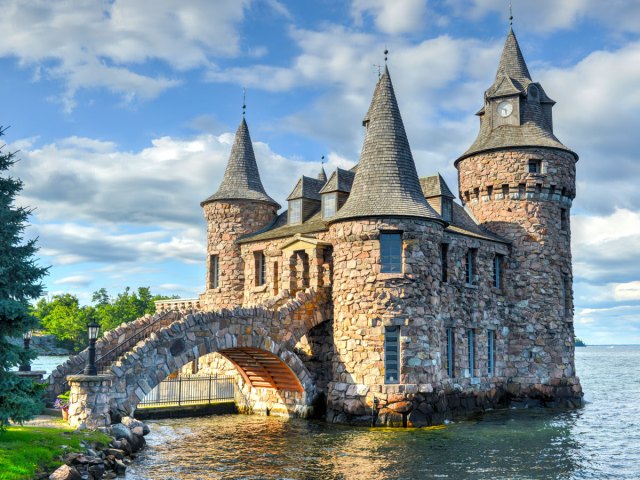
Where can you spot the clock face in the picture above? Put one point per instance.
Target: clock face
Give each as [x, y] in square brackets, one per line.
[505, 108]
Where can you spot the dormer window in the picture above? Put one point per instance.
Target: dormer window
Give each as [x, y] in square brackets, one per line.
[295, 211]
[329, 205]
[447, 209]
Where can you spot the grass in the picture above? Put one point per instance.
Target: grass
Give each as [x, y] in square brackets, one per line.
[25, 451]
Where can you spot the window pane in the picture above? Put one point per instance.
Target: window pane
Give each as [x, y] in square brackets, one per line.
[295, 211]
[391, 354]
[328, 205]
[391, 252]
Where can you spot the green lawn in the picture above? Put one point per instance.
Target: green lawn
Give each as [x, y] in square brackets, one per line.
[24, 451]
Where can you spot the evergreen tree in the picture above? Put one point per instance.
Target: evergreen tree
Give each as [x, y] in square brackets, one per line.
[20, 282]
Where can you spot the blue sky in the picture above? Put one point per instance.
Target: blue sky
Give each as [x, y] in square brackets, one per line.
[124, 116]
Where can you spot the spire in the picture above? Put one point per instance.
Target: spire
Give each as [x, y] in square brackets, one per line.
[322, 175]
[386, 182]
[241, 178]
[512, 64]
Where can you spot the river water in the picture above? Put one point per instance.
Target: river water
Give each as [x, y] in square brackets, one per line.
[600, 441]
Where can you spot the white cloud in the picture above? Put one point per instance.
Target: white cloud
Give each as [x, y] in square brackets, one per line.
[627, 291]
[101, 44]
[396, 17]
[550, 15]
[74, 280]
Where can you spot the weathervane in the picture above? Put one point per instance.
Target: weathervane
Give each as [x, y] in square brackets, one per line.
[379, 67]
[244, 101]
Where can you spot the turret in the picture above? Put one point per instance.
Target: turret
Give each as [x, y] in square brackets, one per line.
[386, 261]
[239, 207]
[518, 179]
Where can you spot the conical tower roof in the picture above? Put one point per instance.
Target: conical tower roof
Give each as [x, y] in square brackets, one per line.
[322, 175]
[241, 178]
[512, 64]
[513, 80]
[386, 182]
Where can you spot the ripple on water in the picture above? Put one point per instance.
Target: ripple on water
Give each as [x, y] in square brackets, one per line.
[600, 441]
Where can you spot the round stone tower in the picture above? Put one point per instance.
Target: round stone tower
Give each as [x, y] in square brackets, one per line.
[386, 241]
[518, 179]
[239, 207]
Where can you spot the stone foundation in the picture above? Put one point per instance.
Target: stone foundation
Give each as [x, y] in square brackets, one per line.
[89, 401]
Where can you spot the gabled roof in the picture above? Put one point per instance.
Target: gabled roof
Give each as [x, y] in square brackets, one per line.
[386, 182]
[307, 187]
[435, 186]
[241, 179]
[280, 228]
[339, 181]
[463, 223]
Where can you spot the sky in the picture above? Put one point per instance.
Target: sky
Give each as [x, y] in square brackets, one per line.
[124, 114]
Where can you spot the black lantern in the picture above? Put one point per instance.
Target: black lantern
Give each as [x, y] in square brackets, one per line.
[26, 338]
[93, 330]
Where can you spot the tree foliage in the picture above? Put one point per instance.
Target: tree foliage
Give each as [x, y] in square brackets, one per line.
[20, 282]
[64, 317]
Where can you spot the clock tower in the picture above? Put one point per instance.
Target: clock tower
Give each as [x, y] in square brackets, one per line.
[518, 179]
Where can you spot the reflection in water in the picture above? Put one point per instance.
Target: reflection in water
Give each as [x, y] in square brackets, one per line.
[598, 442]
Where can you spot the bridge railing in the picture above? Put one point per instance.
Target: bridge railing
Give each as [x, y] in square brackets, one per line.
[103, 363]
[190, 390]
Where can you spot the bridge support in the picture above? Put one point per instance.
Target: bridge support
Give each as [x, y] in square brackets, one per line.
[89, 400]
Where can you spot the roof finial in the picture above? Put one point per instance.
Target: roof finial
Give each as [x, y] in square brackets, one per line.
[244, 101]
[322, 160]
[510, 14]
[386, 52]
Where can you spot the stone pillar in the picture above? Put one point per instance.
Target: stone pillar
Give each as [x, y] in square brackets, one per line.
[89, 401]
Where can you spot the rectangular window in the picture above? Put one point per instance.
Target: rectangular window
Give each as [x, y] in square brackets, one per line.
[391, 252]
[447, 209]
[469, 267]
[450, 354]
[444, 253]
[214, 271]
[392, 355]
[564, 219]
[490, 191]
[295, 211]
[328, 205]
[491, 351]
[261, 268]
[497, 271]
[471, 350]
[534, 166]
[505, 191]
[276, 279]
[566, 299]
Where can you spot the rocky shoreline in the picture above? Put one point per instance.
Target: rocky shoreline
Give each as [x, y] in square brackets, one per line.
[106, 463]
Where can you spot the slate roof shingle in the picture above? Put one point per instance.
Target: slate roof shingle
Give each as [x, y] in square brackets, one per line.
[435, 186]
[340, 181]
[307, 187]
[241, 179]
[513, 78]
[386, 182]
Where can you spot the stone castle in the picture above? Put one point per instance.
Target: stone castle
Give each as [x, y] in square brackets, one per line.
[424, 308]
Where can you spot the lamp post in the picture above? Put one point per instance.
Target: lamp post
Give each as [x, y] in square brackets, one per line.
[93, 330]
[26, 338]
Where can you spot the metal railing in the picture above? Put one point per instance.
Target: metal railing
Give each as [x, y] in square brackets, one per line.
[103, 364]
[190, 390]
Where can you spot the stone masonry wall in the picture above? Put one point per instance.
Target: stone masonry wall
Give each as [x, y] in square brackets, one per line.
[366, 301]
[527, 209]
[226, 222]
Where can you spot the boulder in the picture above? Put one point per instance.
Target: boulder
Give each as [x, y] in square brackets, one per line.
[96, 472]
[65, 472]
[401, 407]
[133, 423]
[120, 468]
[120, 430]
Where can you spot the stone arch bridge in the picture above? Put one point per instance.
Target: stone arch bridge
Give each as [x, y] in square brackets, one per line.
[259, 341]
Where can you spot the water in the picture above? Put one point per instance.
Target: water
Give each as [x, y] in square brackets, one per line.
[600, 441]
[48, 363]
